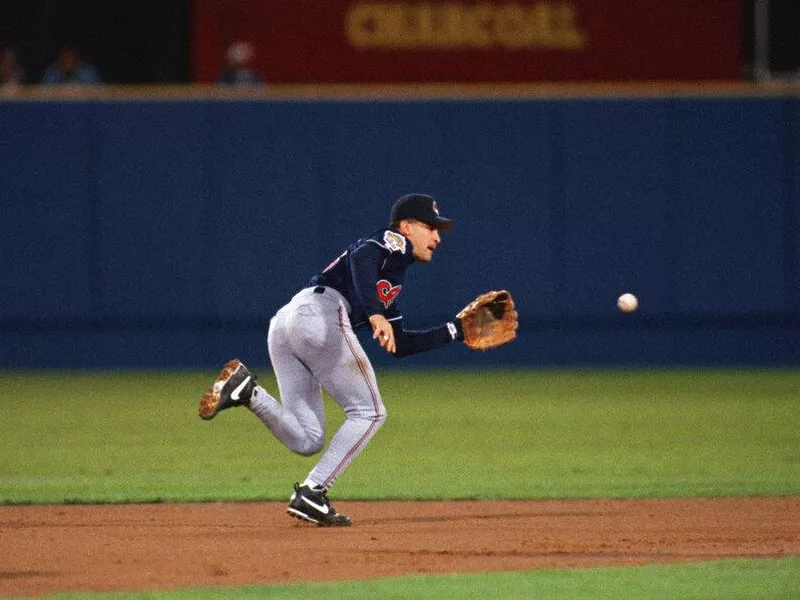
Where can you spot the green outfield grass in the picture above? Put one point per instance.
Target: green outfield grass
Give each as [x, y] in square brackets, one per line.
[135, 436]
[726, 580]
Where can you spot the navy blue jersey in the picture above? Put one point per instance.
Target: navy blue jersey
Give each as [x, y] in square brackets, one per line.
[370, 274]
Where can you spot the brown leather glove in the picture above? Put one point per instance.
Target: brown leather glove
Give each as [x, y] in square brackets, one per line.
[489, 321]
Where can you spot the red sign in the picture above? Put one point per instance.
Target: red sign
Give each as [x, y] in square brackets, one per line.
[457, 41]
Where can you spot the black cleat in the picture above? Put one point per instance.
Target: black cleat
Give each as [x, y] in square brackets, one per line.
[313, 505]
[233, 387]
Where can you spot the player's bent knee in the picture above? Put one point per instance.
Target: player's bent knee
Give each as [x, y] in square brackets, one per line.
[309, 450]
[310, 446]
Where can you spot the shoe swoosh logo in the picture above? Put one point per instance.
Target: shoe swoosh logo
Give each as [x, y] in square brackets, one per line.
[239, 388]
[320, 507]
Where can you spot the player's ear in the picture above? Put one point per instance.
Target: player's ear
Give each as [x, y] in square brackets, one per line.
[404, 227]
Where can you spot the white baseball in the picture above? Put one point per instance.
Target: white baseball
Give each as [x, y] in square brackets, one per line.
[627, 303]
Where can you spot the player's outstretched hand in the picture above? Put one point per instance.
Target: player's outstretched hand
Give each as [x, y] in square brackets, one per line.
[383, 332]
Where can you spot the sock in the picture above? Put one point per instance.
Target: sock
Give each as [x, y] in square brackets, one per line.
[260, 402]
[310, 483]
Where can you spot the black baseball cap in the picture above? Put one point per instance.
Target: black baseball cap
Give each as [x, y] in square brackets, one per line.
[422, 208]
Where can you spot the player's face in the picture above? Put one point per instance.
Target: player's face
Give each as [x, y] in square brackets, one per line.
[424, 240]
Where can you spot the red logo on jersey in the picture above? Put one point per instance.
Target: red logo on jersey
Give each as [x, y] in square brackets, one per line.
[387, 293]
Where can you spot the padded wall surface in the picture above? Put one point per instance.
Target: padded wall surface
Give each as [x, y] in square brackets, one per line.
[165, 233]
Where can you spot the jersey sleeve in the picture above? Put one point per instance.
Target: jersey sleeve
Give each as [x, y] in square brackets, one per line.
[416, 341]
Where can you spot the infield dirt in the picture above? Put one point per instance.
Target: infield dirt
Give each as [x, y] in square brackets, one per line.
[49, 549]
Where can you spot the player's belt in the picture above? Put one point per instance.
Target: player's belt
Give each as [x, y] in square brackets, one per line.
[319, 290]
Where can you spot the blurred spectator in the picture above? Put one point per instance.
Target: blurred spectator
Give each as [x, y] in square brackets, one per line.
[11, 72]
[238, 69]
[69, 68]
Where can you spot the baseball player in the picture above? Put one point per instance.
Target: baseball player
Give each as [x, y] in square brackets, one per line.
[312, 345]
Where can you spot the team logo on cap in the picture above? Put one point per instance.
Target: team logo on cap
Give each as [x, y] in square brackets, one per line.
[435, 208]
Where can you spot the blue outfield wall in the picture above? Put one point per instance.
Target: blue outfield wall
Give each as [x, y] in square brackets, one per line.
[165, 233]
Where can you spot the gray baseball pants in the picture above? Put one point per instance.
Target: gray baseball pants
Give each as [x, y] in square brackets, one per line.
[312, 346]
